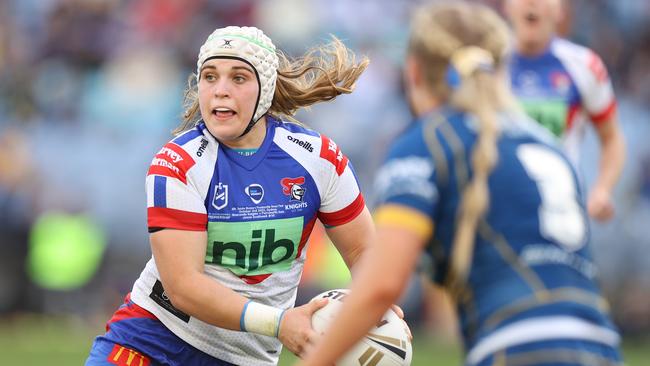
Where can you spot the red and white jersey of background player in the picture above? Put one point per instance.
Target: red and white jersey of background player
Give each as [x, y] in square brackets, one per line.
[258, 212]
[564, 88]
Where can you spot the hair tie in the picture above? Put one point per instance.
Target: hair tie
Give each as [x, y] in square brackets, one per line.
[465, 61]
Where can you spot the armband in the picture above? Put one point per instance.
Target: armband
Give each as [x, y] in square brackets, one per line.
[260, 319]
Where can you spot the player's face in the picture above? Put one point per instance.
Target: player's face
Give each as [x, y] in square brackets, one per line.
[534, 21]
[228, 91]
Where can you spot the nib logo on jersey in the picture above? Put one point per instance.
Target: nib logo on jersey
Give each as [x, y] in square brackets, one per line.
[254, 247]
[294, 188]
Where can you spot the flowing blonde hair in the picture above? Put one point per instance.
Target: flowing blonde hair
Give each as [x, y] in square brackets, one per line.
[321, 74]
[474, 40]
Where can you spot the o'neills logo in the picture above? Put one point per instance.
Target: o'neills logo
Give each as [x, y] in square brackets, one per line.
[304, 144]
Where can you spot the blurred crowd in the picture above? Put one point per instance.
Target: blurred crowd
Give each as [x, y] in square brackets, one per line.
[90, 90]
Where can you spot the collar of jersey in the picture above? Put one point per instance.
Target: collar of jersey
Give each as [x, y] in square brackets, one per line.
[543, 57]
[252, 161]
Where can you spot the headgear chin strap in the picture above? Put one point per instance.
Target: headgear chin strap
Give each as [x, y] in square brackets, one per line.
[252, 46]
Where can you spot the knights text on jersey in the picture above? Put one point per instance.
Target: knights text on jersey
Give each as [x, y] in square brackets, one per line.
[530, 258]
[258, 211]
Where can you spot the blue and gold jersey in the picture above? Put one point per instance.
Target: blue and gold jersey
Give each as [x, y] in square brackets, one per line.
[531, 267]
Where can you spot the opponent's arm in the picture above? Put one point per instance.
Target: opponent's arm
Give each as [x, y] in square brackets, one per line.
[382, 274]
[612, 158]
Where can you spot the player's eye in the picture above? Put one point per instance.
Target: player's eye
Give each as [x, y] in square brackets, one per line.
[208, 76]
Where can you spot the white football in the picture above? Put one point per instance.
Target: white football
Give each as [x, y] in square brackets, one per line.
[387, 344]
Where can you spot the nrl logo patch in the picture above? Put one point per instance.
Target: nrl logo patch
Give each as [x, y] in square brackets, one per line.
[220, 199]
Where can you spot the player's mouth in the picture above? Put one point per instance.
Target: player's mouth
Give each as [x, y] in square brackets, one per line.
[223, 113]
[531, 17]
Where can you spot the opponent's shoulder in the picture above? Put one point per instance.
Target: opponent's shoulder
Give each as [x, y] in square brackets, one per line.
[409, 141]
[418, 137]
[178, 156]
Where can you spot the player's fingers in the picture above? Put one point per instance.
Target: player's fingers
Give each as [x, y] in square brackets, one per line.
[408, 330]
[606, 213]
[317, 304]
[602, 212]
[311, 337]
[398, 310]
[297, 350]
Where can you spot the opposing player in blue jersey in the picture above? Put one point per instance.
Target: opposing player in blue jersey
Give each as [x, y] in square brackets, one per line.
[563, 86]
[484, 190]
[231, 203]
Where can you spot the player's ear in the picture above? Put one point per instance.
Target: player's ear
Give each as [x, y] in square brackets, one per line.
[558, 11]
[413, 75]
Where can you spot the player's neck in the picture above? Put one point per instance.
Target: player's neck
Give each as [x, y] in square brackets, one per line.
[532, 48]
[252, 140]
[422, 103]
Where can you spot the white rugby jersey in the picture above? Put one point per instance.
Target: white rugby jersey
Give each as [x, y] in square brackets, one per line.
[258, 211]
[562, 88]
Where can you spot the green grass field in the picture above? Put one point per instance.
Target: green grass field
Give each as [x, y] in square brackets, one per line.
[36, 340]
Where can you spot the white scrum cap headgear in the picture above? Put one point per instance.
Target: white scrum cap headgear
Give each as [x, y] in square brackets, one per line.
[252, 46]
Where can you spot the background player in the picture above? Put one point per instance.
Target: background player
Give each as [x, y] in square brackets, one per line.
[231, 202]
[562, 85]
[510, 238]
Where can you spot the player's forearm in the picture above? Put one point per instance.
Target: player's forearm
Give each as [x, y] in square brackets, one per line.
[612, 159]
[362, 309]
[377, 285]
[204, 298]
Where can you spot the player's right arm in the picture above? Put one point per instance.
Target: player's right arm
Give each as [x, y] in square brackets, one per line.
[180, 256]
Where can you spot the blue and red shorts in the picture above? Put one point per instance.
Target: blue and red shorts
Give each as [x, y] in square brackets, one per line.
[135, 337]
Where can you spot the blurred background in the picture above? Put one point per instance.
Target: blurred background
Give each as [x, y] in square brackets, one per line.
[91, 89]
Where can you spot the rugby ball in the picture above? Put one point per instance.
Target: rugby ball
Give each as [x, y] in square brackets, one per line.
[387, 343]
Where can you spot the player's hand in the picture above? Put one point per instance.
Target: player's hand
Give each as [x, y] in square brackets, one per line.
[599, 204]
[296, 332]
[400, 313]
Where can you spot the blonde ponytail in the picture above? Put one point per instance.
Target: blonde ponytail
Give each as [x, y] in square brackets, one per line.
[466, 41]
[477, 96]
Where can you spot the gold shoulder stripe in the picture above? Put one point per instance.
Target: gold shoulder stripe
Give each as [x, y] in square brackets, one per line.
[394, 215]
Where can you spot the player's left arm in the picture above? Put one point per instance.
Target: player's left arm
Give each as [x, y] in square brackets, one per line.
[352, 239]
[612, 159]
[600, 103]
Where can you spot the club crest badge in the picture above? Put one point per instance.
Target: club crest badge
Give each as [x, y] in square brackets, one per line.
[294, 188]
